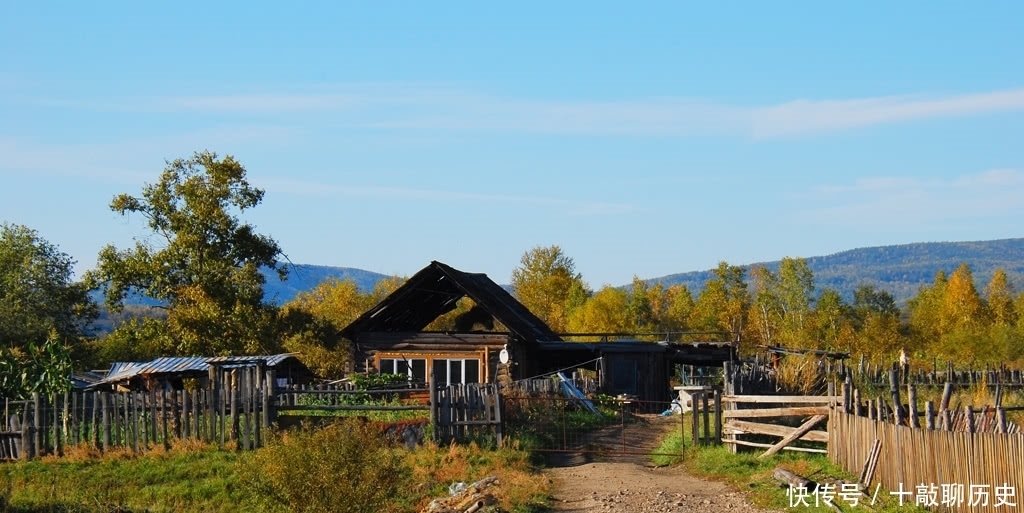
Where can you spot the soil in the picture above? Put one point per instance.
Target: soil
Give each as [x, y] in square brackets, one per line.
[586, 483]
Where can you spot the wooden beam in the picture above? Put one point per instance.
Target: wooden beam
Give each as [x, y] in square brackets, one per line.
[794, 399]
[801, 411]
[760, 428]
[764, 446]
[800, 431]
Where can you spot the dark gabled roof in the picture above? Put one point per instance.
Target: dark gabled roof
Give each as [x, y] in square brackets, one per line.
[435, 291]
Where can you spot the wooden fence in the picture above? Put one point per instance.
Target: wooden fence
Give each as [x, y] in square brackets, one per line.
[236, 408]
[236, 411]
[960, 471]
[746, 416]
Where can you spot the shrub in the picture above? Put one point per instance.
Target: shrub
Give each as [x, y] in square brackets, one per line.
[344, 467]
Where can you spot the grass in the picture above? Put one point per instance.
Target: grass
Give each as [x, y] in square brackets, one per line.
[189, 477]
[195, 477]
[745, 471]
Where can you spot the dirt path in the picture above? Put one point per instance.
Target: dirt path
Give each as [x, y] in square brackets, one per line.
[631, 483]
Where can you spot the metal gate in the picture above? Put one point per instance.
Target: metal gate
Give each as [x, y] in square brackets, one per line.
[616, 428]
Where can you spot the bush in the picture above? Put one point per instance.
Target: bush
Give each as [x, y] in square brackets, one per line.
[344, 467]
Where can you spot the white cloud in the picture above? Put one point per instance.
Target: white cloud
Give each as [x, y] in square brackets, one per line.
[805, 116]
[415, 106]
[431, 107]
[889, 201]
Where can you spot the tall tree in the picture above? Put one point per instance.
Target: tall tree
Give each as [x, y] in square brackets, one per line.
[999, 296]
[546, 282]
[206, 263]
[38, 294]
[723, 303]
[605, 312]
[796, 290]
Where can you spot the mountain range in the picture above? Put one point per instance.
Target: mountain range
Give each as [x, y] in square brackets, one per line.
[901, 270]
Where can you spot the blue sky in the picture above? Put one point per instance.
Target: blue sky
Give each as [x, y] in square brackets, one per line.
[643, 139]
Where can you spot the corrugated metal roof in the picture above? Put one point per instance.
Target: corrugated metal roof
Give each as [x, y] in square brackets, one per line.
[120, 371]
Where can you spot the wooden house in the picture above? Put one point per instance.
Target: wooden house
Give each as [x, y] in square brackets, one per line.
[500, 340]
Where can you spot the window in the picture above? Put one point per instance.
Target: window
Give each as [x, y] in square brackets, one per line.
[449, 371]
[415, 368]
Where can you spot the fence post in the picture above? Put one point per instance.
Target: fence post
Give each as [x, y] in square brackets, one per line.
[929, 415]
[912, 405]
[37, 423]
[105, 419]
[695, 401]
[269, 412]
[969, 418]
[431, 384]
[718, 417]
[894, 390]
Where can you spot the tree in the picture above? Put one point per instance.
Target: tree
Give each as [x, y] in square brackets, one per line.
[999, 295]
[722, 304]
[546, 282]
[831, 316]
[206, 264]
[796, 289]
[604, 312]
[38, 296]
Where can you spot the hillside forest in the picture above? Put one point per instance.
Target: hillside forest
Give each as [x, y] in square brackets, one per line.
[204, 268]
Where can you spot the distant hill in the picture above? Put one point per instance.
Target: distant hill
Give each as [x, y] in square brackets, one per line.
[302, 278]
[902, 270]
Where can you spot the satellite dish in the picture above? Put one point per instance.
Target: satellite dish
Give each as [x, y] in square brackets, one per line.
[503, 356]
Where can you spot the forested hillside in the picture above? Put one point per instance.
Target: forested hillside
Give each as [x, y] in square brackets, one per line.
[901, 270]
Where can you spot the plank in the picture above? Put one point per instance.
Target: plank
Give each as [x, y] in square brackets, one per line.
[765, 446]
[795, 399]
[776, 412]
[799, 432]
[759, 428]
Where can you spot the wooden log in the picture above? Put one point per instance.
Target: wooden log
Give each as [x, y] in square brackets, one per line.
[799, 432]
[929, 415]
[793, 480]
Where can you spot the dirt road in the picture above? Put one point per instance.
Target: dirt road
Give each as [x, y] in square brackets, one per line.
[582, 484]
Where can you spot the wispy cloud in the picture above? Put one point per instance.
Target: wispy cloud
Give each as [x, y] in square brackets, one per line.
[444, 107]
[569, 206]
[890, 201]
[806, 116]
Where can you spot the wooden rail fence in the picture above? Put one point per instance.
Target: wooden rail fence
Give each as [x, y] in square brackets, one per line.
[773, 421]
[236, 410]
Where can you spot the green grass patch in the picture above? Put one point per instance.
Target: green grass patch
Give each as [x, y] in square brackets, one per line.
[745, 471]
[338, 468]
[182, 479]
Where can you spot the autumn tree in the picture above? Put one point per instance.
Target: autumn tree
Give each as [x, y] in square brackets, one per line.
[722, 304]
[546, 282]
[605, 312]
[39, 298]
[203, 262]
